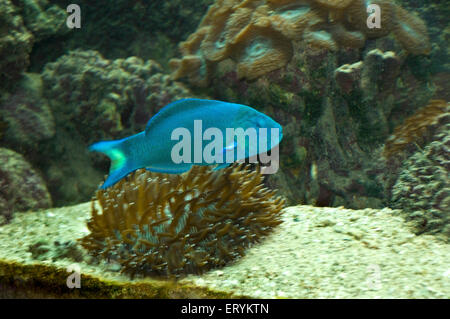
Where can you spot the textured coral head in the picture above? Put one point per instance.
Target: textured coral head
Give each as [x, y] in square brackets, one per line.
[171, 225]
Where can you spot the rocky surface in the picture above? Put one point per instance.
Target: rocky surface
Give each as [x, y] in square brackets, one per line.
[28, 119]
[314, 253]
[21, 187]
[15, 44]
[42, 18]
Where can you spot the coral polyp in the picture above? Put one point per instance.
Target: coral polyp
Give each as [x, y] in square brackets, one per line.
[230, 29]
[172, 225]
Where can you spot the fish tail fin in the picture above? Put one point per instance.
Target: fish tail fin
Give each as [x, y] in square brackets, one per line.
[121, 162]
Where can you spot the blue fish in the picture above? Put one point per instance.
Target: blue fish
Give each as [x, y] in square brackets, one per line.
[166, 144]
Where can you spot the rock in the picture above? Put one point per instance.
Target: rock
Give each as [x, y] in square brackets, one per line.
[103, 98]
[44, 250]
[27, 116]
[15, 44]
[374, 254]
[21, 187]
[42, 18]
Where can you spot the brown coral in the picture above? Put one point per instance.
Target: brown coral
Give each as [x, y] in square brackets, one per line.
[411, 32]
[232, 27]
[261, 50]
[214, 44]
[344, 37]
[170, 225]
[334, 4]
[292, 20]
[193, 65]
[415, 127]
[321, 39]
[348, 76]
[357, 17]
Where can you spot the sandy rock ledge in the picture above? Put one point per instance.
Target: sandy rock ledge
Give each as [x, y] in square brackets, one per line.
[315, 253]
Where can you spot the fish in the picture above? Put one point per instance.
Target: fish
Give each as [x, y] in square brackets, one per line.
[181, 129]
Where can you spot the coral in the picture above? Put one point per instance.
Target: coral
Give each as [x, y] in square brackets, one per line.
[15, 44]
[42, 19]
[27, 116]
[261, 51]
[414, 129]
[21, 187]
[436, 14]
[148, 29]
[104, 98]
[71, 174]
[25, 25]
[321, 39]
[346, 38]
[172, 225]
[195, 66]
[347, 76]
[260, 35]
[380, 71]
[357, 17]
[411, 31]
[333, 126]
[377, 72]
[334, 4]
[422, 189]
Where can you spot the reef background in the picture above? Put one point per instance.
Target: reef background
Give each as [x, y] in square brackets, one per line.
[366, 125]
[62, 89]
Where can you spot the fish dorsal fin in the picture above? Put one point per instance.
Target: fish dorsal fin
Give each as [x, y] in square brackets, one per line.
[176, 108]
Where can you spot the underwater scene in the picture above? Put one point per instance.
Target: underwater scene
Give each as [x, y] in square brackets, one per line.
[273, 149]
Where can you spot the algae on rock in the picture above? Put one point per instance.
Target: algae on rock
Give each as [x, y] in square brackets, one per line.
[21, 187]
[15, 44]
